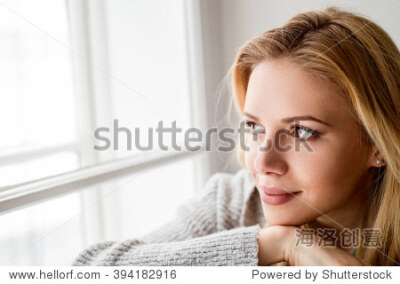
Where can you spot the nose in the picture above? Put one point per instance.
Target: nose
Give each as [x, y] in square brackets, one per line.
[270, 160]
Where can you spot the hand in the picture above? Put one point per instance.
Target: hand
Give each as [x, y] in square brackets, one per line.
[317, 254]
[272, 242]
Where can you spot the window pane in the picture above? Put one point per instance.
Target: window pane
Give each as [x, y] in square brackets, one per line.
[36, 102]
[37, 105]
[47, 233]
[148, 60]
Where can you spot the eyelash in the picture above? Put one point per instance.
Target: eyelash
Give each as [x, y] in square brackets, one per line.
[314, 133]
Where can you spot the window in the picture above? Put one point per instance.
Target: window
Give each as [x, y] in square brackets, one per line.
[71, 68]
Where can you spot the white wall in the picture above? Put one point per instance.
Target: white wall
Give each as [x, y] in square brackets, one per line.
[243, 19]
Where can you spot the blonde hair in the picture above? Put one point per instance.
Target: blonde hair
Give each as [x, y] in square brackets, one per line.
[361, 59]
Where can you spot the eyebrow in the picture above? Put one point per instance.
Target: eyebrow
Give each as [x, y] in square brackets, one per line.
[291, 119]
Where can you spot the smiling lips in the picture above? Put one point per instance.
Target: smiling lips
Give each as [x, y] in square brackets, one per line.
[275, 195]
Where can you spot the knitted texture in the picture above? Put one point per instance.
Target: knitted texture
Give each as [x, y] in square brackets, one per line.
[216, 227]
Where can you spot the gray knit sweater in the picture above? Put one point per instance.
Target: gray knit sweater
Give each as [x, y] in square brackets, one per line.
[218, 226]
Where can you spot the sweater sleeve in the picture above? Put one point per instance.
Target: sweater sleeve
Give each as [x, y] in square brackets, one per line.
[192, 238]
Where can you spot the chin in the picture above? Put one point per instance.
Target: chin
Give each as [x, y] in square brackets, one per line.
[284, 219]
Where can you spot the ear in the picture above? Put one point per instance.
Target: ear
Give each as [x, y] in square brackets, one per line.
[376, 159]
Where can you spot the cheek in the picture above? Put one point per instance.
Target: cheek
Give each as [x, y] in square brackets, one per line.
[328, 175]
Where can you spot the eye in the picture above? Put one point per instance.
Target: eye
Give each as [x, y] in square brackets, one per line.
[254, 127]
[303, 133]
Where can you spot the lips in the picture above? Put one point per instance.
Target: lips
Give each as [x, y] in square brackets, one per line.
[276, 196]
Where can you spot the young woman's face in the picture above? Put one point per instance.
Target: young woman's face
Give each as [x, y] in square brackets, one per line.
[329, 168]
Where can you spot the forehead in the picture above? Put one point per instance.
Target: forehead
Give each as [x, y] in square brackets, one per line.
[279, 88]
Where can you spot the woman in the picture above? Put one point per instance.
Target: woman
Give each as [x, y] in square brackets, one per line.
[321, 98]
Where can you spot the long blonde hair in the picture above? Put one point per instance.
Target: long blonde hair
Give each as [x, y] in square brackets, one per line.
[361, 59]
